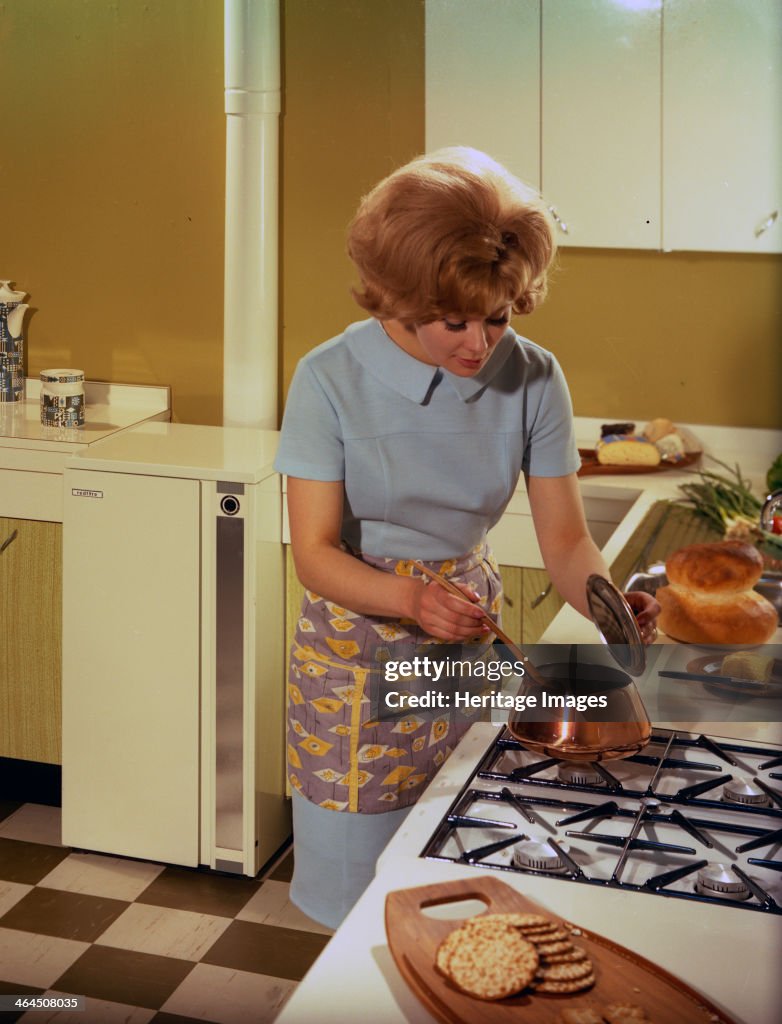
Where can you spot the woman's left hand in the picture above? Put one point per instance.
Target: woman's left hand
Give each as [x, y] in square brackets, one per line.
[646, 609]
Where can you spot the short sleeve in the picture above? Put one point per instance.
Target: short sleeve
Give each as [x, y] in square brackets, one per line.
[552, 448]
[311, 445]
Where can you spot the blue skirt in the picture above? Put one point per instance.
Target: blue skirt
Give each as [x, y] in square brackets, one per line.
[334, 857]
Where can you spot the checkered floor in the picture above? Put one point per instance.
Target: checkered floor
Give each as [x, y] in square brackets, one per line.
[142, 941]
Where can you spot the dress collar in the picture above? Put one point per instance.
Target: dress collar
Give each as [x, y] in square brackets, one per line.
[408, 376]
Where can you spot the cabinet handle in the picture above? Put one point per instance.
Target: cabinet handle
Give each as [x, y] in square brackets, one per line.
[8, 540]
[541, 597]
[559, 222]
[766, 224]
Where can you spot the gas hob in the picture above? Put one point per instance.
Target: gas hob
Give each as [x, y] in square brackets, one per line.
[691, 817]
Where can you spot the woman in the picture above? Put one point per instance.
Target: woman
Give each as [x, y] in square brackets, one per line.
[403, 439]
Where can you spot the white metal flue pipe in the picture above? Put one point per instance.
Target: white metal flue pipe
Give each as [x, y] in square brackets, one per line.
[252, 107]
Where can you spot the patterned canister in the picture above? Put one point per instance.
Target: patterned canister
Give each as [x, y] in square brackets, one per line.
[12, 311]
[62, 398]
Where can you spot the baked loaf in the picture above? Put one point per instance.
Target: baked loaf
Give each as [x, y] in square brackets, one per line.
[657, 429]
[623, 450]
[709, 598]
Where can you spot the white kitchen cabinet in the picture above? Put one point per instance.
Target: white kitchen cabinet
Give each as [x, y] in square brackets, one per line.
[722, 102]
[173, 691]
[483, 80]
[131, 666]
[600, 123]
[658, 120]
[32, 459]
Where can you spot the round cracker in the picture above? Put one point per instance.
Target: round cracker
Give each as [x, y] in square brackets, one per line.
[565, 987]
[565, 972]
[547, 948]
[492, 966]
[555, 935]
[446, 947]
[572, 956]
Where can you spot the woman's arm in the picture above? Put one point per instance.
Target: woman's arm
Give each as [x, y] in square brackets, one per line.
[315, 514]
[569, 553]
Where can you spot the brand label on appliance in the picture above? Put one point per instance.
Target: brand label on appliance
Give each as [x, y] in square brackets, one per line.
[80, 492]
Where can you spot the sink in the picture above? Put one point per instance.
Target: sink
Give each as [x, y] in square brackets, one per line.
[605, 508]
[769, 584]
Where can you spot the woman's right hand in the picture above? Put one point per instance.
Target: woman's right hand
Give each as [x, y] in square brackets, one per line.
[444, 615]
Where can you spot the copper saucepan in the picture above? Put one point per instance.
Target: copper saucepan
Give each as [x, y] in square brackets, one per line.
[618, 728]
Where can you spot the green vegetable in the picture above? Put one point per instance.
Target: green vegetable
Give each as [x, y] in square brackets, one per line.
[728, 503]
[774, 475]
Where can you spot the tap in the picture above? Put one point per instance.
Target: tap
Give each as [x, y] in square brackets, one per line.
[771, 507]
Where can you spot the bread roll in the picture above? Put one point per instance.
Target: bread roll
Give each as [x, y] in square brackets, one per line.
[723, 568]
[658, 428]
[696, 617]
[709, 598]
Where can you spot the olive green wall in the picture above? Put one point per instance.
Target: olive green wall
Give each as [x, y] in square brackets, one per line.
[112, 187]
[112, 177]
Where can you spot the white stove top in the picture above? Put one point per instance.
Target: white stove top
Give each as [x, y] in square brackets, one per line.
[651, 823]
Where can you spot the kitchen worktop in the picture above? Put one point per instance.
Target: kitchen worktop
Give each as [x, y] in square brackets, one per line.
[355, 978]
[32, 456]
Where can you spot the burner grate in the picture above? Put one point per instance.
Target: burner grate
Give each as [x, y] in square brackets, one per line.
[643, 826]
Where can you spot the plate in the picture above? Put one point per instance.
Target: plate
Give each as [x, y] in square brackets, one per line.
[620, 974]
[709, 665]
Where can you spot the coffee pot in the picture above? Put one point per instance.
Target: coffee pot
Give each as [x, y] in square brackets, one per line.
[12, 311]
[614, 723]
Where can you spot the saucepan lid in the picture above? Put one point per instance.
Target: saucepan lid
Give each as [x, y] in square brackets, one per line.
[616, 624]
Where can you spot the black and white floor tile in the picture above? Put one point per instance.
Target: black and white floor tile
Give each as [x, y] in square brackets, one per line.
[142, 942]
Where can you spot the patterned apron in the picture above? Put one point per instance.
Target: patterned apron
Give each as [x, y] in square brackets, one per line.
[339, 756]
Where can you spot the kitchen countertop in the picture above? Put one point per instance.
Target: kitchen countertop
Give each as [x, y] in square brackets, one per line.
[108, 408]
[355, 978]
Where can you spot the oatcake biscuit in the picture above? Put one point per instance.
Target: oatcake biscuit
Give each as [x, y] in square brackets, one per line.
[530, 921]
[565, 972]
[446, 947]
[566, 987]
[492, 966]
[546, 938]
[572, 956]
[548, 948]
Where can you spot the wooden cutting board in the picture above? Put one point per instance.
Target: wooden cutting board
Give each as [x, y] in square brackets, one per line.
[622, 976]
[591, 467]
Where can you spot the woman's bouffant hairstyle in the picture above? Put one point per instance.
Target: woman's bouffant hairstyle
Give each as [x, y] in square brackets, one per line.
[450, 232]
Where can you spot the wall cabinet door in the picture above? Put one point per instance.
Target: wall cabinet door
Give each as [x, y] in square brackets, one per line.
[483, 80]
[658, 120]
[30, 640]
[600, 102]
[722, 101]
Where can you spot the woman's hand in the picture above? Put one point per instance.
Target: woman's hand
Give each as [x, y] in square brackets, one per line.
[445, 616]
[646, 609]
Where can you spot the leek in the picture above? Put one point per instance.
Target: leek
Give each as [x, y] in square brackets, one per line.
[727, 502]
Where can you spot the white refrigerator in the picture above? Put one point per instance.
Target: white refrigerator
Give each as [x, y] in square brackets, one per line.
[173, 637]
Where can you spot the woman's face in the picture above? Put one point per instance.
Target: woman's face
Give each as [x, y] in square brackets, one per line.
[459, 344]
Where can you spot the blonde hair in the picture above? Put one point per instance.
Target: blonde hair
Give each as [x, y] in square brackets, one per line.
[450, 232]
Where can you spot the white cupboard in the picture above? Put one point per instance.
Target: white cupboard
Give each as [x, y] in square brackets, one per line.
[722, 125]
[483, 80]
[651, 123]
[600, 121]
